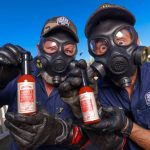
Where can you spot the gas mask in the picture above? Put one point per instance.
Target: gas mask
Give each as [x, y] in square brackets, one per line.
[113, 44]
[57, 52]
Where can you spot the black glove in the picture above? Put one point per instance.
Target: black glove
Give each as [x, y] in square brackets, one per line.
[10, 59]
[69, 89]
[30, 132]
[110, 132]
[113, 120]
[106, 141]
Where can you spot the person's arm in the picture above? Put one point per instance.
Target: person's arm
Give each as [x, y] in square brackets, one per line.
[114, 120]
[30, 132]
[140, 136]
[10, 61]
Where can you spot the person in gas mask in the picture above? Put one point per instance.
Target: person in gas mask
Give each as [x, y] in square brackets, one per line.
[52, 127]
[57, 51]
[123, 85]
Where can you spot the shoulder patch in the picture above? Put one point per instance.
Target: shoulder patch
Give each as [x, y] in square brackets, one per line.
[147, 98]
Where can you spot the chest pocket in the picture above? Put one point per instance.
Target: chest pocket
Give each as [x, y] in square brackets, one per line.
[143, 117]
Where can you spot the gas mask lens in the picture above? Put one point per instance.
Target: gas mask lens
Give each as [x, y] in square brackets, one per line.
[51, 47]
[70, 49]
[124, 36]
[98, 46]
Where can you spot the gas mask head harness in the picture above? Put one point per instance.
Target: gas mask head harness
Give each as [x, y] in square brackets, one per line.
[57, 53]
[113, 44]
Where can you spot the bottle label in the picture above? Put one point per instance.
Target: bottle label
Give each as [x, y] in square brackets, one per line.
[26, 97]
[88, 107]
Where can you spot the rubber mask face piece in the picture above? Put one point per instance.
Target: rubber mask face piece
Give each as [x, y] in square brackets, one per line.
[113, 44]
[57, 51]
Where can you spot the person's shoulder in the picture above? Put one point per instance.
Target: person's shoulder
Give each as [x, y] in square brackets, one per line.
[145, 68]
[33, 62]
[145, 72]
[34, 69]
[146, 64]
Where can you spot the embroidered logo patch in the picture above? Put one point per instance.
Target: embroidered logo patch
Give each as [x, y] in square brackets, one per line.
[63, 21]
[60, 110]
[147, 98]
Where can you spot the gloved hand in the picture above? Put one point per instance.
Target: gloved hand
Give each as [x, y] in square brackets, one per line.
[106, 141]
[110, 132]
[10, 59]
[30, 132]
[113, 120]
[69, 89]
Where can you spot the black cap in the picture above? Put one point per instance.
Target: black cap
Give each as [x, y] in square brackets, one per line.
[109, 11]
[58, 23]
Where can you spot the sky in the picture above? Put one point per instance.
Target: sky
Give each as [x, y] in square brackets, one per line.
[21, 21]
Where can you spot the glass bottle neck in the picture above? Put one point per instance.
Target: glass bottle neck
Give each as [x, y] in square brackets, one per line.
[26, 67]
[26, 59]
[84, 77]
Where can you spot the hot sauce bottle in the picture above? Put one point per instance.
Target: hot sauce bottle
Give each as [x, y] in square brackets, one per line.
[26, 88]
[88, 102]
